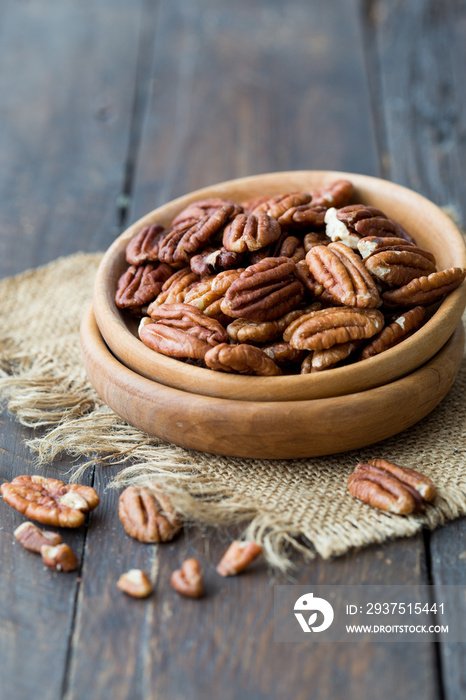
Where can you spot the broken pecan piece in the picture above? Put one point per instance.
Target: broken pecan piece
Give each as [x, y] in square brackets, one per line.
[135, 583]
[389, 487]
[242, 359]
[144, 246]
[391, 335]
[59, 558]
[323, 329]
[187, 580]
[50, 501]
[425, 290]
[357, 221]
[264, 291]
[32, 537]
[237, 557]
[140, 284]
[250, 232]
[181, 330]
[342, 273]
[147, 516]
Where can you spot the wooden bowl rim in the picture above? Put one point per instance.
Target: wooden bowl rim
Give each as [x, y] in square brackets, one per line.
[375, 371]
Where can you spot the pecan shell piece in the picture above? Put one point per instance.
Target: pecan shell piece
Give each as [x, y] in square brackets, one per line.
[32, 537]
[391, 335]
[140, 284]
[213, 260]
[323, 329]
[241, 359]
[175, 288]
[147, 516]
[250, 232]
[425, 290]
[181, 330]
[264, 291]
[188, 580]
[144, 246]
[50, 501]
[201, 208]
[390, 487]
[342, 273]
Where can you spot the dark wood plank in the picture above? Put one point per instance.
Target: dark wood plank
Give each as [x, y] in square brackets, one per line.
[67, 80]
[237, 89]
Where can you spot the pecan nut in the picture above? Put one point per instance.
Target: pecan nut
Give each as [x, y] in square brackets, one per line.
[374, 244]
[264, 291]
[399, 265]
[241, 359]
[187, 580]
[390, 487]
[314, 238]
[425, 290]
[337, 194]
[244, 331]
[284, 247]
[50, 501]
[213, 260]
[323, 329]
[325, 359]
[342, 273]
[282, 353]
[279, 205]
[181, 330]
[144, 246]
[391, 335]
[135, 583]
[140, 284]
[59, 558]
[180, 244]
[175, 288]
[304, 216]
[201, 208]
[357, 221]
[32, 537]
[250, 232]
[238, 556]
[147, 516]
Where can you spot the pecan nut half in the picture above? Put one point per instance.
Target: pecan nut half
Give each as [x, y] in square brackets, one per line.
[278, 206]
[337, 194]
[201, 208]
[325, 359]
[238, 556]
[147, 516]
[282, 353]
[357, 221]
[144, 246]
[175, 288]
[243, 330]
[323, 329]
[374, 244]
[140, 284]
[264, 291]
[425, 290]
[32, 537]
[187, 580]
[241, 359]
[390, 487]
[181, 330]
[135, 583]
[399, 265]
[284, 247]
[391, 335]
[213, 260]
[250, 232]
[50, 501]
[342, 273]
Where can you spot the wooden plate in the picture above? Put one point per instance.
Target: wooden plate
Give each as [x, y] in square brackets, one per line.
[268, 429]
[427, 223]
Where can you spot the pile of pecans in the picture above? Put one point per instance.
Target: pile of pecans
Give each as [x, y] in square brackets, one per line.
[295, 283]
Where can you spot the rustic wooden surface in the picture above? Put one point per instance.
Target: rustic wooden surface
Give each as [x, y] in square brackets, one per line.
[107, 110]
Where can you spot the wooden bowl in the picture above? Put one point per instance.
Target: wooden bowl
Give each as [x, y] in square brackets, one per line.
[268, 429]
[425, 221]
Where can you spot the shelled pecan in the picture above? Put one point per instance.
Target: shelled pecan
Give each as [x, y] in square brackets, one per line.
[32, 537]
[203, 207]
[174, 289]
[148, 516]
[395, 332]
[238, 557]
[212, 260]
[144, 246]
[140, 284]
[187, 580]
[241, 359]
[323, 359]
[398, 265]
[135, 583]
[250, 232]
[425, 290]
[320, 330]
[59, 557]
[390, 487]
[336, 194]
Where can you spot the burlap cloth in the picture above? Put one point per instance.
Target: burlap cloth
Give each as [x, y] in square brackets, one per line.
[284, 505]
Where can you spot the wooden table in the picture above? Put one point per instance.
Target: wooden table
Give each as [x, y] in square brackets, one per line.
[111, 108]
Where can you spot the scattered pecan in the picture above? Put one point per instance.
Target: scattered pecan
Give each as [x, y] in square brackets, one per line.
[135, 583]
[147, 516]
[250, 232]
[342, 273]
[140, 284]
[282, 353]
[242, 359]
[337, 194]
[389, 487]
[243, 330]
[175, 288]
[399, 265]
[213, 260]
[180, 244]
[181, 330]
[50, 501]
[203, 207]
[187, 580]
[32, 537]
[264, 292]
[325, 359]
[59, 558]
[237, 557]
[144, 246]
[425, 290]
[323, 329]
[394, 333]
